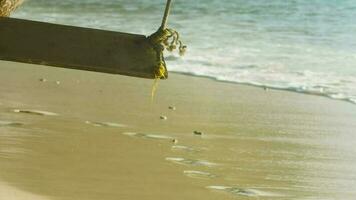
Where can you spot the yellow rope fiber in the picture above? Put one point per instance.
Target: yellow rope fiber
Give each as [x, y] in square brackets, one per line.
[7, 6]
[159, 74]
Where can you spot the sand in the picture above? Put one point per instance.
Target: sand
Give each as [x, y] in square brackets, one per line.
[73, 135]
[10, 192]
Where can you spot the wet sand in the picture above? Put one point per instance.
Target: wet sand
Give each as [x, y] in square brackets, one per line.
[73, 135]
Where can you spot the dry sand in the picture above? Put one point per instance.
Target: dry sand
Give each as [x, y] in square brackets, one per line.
[101, 137]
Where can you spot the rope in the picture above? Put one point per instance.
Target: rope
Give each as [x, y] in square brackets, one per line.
[7, 6]
[166, 13]
[165, 38]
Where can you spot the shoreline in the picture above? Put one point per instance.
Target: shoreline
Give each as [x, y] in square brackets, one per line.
[267, 87]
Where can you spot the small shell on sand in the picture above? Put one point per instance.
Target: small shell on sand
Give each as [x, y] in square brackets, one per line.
[162, 117]
[58, 82]
[35, 112]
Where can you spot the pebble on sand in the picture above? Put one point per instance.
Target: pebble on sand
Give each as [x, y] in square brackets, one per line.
[197, 133]
[175, 141]
[58, 82]
[162, 117]
[172, 107]
[43, 80]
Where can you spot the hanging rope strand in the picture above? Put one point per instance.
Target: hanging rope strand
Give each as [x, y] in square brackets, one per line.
[166, 14]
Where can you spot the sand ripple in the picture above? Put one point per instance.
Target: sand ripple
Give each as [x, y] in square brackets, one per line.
[243, 192]
[191, 162]
[9, 123]
[35, 112]
[184, 148]
[199, 174]
[106, 124]
[148, 136]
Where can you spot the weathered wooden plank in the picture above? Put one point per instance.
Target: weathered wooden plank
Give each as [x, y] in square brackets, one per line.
[77, 48]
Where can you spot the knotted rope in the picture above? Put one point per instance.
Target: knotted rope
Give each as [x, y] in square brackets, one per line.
[165, 38]
[7, 6]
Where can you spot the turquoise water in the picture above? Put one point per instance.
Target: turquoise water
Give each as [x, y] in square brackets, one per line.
[303, 46]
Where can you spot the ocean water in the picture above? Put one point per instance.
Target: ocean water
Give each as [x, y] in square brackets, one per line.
[303, 46]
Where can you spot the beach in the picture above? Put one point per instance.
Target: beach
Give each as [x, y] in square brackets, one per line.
[76, 135]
